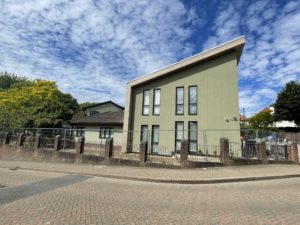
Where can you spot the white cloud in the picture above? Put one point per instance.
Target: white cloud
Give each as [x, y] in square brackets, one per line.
[271, 55]
[92, 47]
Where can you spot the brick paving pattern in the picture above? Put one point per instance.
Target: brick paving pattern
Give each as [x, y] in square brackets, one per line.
[23, 177]
[110, 201]
[214, 173]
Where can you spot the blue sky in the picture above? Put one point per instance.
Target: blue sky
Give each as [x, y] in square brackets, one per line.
[91, 48]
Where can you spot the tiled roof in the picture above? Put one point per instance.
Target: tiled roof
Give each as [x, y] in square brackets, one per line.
[103, 103]
[109, 118]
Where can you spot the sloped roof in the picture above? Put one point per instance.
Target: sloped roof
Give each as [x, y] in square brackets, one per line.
[103, 103]
[107, 118]
[233, 45]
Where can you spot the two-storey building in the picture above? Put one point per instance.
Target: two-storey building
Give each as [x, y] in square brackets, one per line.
[195, 99]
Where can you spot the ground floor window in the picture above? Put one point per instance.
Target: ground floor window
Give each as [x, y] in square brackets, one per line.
[179, 127]
[106, 132]
[155, 139]
[144, 133]
[79, 131]
[192, 137]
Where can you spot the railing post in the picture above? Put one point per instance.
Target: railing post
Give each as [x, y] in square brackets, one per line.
[7, 138]
[224, 150]
[80, 146]
[57, 143]
[293, 152]
[261, 150]
[184, 152]
[143, 151]
[108, 148]
[21, 139]
[37, 143]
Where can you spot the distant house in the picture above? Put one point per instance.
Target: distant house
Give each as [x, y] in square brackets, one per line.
[102, 107]
[103, 121]
[184, 99]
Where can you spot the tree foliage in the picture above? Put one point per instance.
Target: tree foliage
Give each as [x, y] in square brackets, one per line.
[80, 113]
[262, 120]
[39, 103]
[287, 105]
[8, 80]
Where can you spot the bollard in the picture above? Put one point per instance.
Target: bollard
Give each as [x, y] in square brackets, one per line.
[37, 143]
[21, 139]
[80, 146]
[143, 151]
[7, 138]
[261, 150]
[293, 152]
[184, 152]
[108, 148]
[224, 150]
[57, 143]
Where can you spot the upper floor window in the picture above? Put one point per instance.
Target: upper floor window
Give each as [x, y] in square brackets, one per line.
[179, 101]
[93, 113]
[193, 100]
[146, 102]
[156, 102]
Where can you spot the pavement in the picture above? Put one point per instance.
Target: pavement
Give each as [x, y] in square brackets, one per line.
[56, 198]
[164, 175]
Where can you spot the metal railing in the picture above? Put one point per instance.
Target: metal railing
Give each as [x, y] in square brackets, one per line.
[242, 144]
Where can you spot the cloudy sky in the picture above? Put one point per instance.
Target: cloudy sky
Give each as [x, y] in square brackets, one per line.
[91, 48]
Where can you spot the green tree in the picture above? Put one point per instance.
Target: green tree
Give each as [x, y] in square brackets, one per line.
[39, 104]
[80, 113]
[8, 80]
[262, 120]
[287, 105]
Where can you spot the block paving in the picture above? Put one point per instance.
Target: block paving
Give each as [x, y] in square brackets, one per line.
[110, 201]
[211, 173]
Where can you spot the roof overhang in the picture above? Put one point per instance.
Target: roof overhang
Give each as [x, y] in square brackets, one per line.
[233, 45]
[97, 123]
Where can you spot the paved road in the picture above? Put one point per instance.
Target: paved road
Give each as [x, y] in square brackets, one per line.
[90, 200]
[161, 174]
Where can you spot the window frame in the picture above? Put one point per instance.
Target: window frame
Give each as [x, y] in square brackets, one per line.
[79, 132]
[143, 113]
[190, 104]
[153, 110]
[102, 135]
[176, 105]
[152, 142]
[94, 113]
[141, 137]
[176, 139]
[189, 136]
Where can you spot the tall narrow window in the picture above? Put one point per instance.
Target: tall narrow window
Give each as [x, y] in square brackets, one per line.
[144, 133]
[146, 102]
[179, 101]
[193, 137]
[178, 134]
[193, 100]
[156, 102]
[155, 139]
